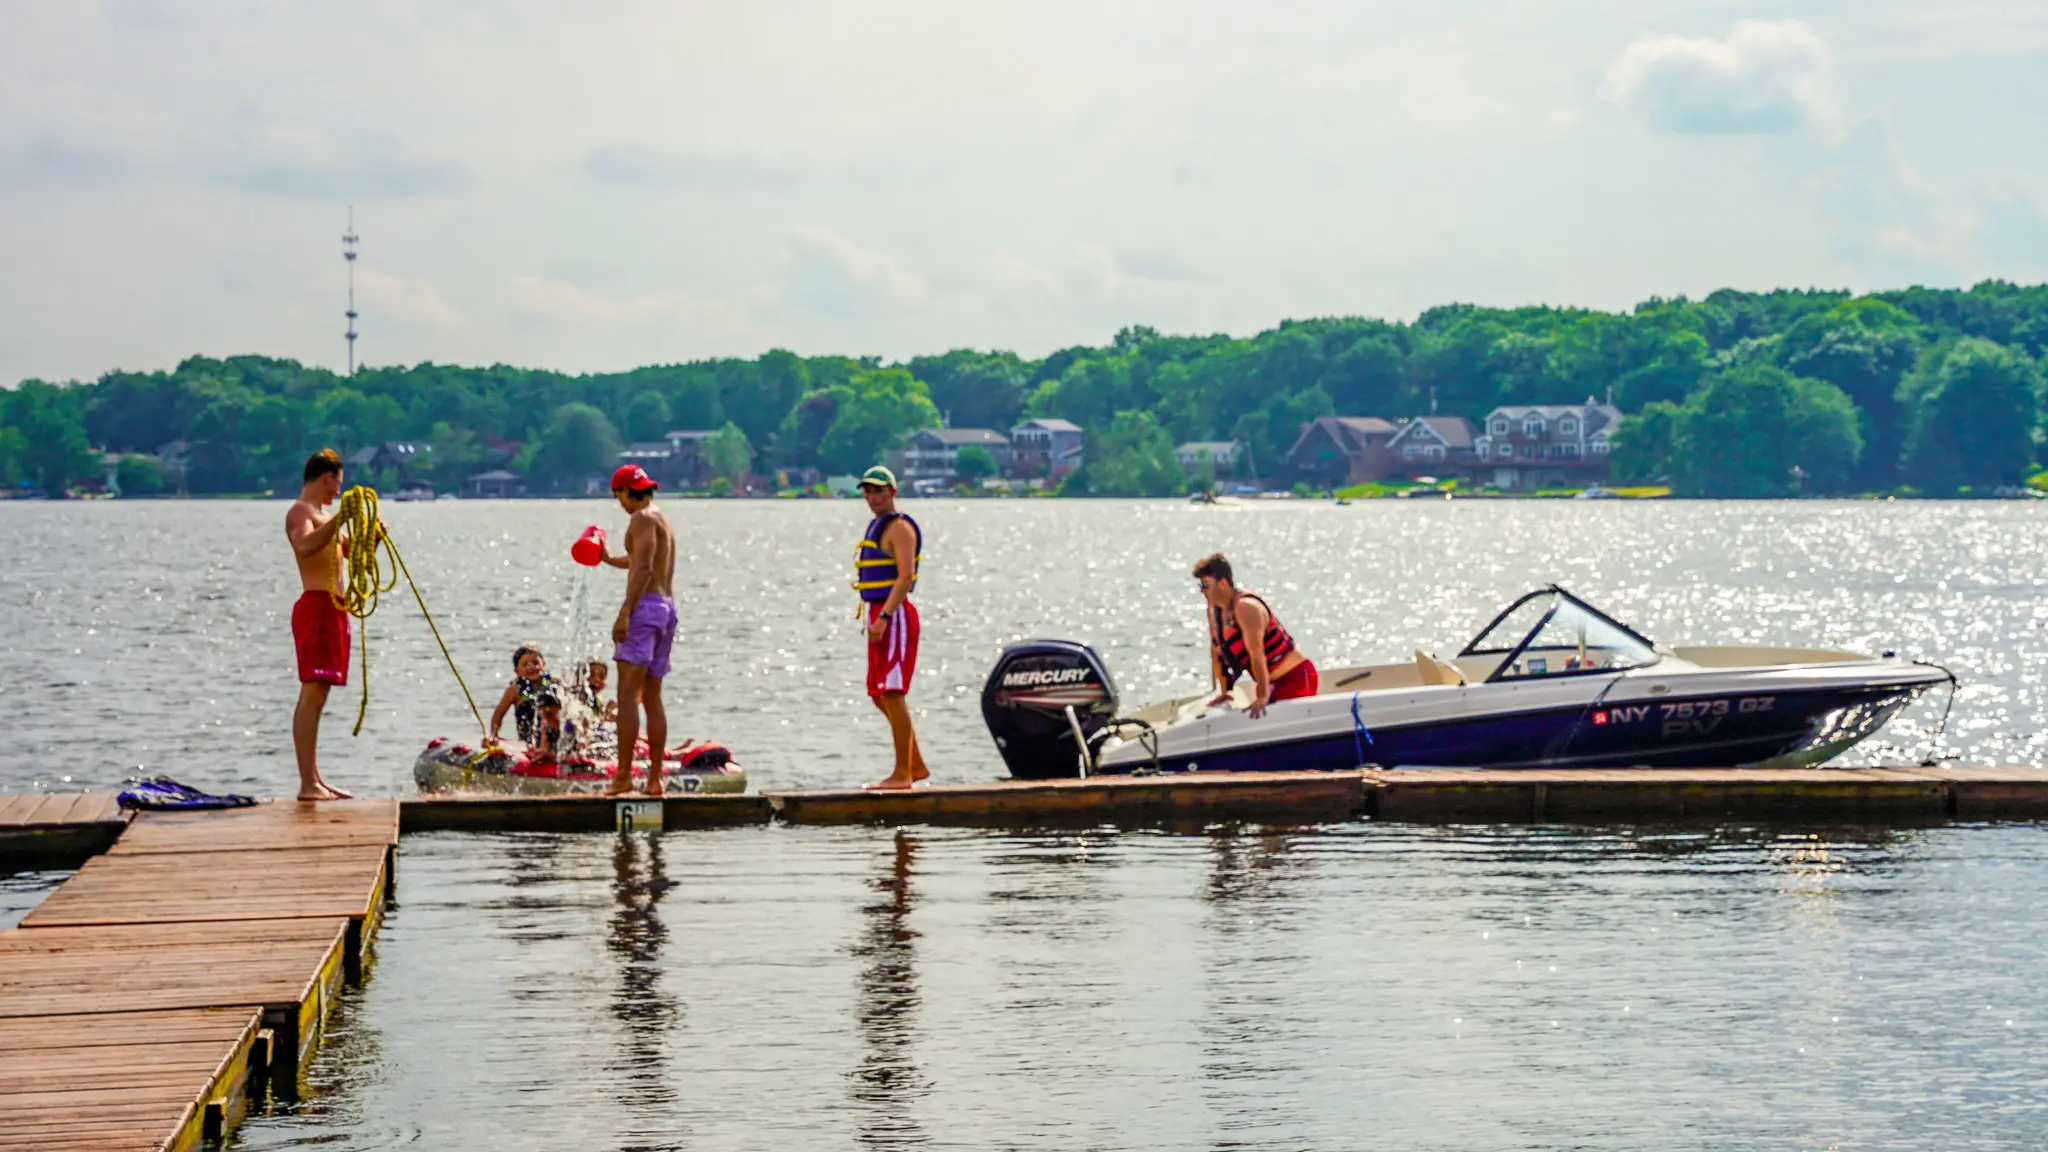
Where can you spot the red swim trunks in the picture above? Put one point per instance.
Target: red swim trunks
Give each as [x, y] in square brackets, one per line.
[1296, 684]
[320, 632]
[893, 661]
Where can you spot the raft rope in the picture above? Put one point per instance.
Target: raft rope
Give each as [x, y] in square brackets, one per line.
[1934, 756]
[366, 581]
[1360, 734]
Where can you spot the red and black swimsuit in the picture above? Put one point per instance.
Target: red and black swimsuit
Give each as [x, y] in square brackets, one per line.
[1229, 640]
[1236, 661]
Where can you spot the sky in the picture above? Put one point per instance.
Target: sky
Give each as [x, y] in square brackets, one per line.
[598, 186]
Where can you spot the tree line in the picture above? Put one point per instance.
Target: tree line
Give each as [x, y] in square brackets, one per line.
[1737, 394]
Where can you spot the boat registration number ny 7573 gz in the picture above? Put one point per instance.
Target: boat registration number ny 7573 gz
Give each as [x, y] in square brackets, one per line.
[1684, 717]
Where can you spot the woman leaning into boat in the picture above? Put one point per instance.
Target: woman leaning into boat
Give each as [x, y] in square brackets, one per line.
[1278, 668]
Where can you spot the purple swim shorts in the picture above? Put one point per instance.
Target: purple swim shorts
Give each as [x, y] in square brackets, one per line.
[650, 633]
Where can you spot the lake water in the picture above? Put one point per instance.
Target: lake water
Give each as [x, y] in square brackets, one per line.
[156, 637]
[1405, 987]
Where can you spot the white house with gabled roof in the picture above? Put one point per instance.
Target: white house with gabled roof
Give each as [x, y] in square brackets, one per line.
[1529, 446]
[1433, 442]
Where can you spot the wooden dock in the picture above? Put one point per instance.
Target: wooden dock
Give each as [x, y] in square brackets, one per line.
[59, 825]
[1177, 801]
[1917, 795]
[195, 962]
[142, 1080]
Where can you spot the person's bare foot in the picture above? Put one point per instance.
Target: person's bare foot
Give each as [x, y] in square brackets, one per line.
[334, 793]
[920, 775]
[313, 797]
[893, 783]
[655, 789]
[619, 788]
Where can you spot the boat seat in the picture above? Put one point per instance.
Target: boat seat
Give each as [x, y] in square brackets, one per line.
[1435, 671]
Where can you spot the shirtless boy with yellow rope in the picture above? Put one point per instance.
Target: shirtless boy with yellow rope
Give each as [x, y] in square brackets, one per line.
[320, 628]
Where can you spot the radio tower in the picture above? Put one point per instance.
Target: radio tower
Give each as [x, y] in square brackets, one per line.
[348, 253]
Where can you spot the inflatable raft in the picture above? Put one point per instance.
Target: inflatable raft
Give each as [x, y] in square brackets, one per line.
[446, 766]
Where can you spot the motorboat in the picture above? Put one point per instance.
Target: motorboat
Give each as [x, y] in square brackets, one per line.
[1551, 682]
[450, 766]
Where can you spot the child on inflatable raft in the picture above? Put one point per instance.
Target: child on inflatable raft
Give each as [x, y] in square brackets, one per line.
[567, 734]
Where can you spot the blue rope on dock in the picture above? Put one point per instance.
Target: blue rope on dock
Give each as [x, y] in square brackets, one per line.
[1360, 736]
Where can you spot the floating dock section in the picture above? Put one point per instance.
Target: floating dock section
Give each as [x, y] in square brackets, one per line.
[51, 827]
[174, 982]
[1411, 795]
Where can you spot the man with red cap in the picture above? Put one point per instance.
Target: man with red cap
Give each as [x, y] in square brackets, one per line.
[646, 627]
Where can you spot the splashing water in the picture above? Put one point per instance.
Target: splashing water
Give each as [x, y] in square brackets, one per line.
[580, 645]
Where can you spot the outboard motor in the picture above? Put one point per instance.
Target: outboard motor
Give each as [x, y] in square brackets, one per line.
[1039, 695]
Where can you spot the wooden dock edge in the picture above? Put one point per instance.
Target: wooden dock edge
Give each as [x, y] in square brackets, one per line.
[236, 1088]
[1451, 797]
[298, 1027]
[23, 848]
[573, 813]
[1182, 801]
[1904, 796]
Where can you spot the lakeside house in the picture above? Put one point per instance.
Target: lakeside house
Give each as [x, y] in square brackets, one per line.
[933, 453]
[676, 461]
[1047, 448]
[1338, 451]
[497, 484]
[1442, 444]
[1527, 447]
[1222, 457]
[393, 456]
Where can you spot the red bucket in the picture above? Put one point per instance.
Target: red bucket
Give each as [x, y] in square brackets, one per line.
[588, 550]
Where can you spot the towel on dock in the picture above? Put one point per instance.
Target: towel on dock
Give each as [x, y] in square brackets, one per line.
[163, 794]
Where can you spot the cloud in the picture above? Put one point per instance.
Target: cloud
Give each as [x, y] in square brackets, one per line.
[1764, 78]
[377, 178]
[2015, 232]
[634, 165]
[1889, 222]
[47, 162]
[77, 137]
[1160, 266]
[412, 303]
[559, 300]
[831, 277]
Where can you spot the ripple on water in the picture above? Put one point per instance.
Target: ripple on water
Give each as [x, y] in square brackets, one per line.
[1439, 987]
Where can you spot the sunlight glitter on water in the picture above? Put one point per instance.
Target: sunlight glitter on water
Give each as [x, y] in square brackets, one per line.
[768, 632]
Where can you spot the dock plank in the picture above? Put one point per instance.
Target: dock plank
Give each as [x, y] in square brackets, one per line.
[1174, 800]
[266, 884]
[58, 829]
[290, 970]
[1621, 795]
[59, 809]
[582, 813]
[149, 1089]
[272, 824]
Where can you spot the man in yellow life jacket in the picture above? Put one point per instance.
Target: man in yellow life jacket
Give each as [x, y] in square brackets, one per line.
[884, 572]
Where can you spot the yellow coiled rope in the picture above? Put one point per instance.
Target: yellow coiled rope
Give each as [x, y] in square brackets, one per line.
[366, 581]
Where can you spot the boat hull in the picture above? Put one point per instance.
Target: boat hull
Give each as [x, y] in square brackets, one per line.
[1722, 729]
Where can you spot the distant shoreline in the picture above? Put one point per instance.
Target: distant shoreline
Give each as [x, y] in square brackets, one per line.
[2022, 495]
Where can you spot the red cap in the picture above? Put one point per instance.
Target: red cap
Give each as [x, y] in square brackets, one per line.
[633, 478]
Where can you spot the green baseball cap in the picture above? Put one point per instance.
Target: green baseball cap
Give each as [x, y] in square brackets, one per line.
[878, 477]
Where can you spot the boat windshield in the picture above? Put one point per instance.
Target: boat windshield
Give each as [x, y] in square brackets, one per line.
[1553, 634]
